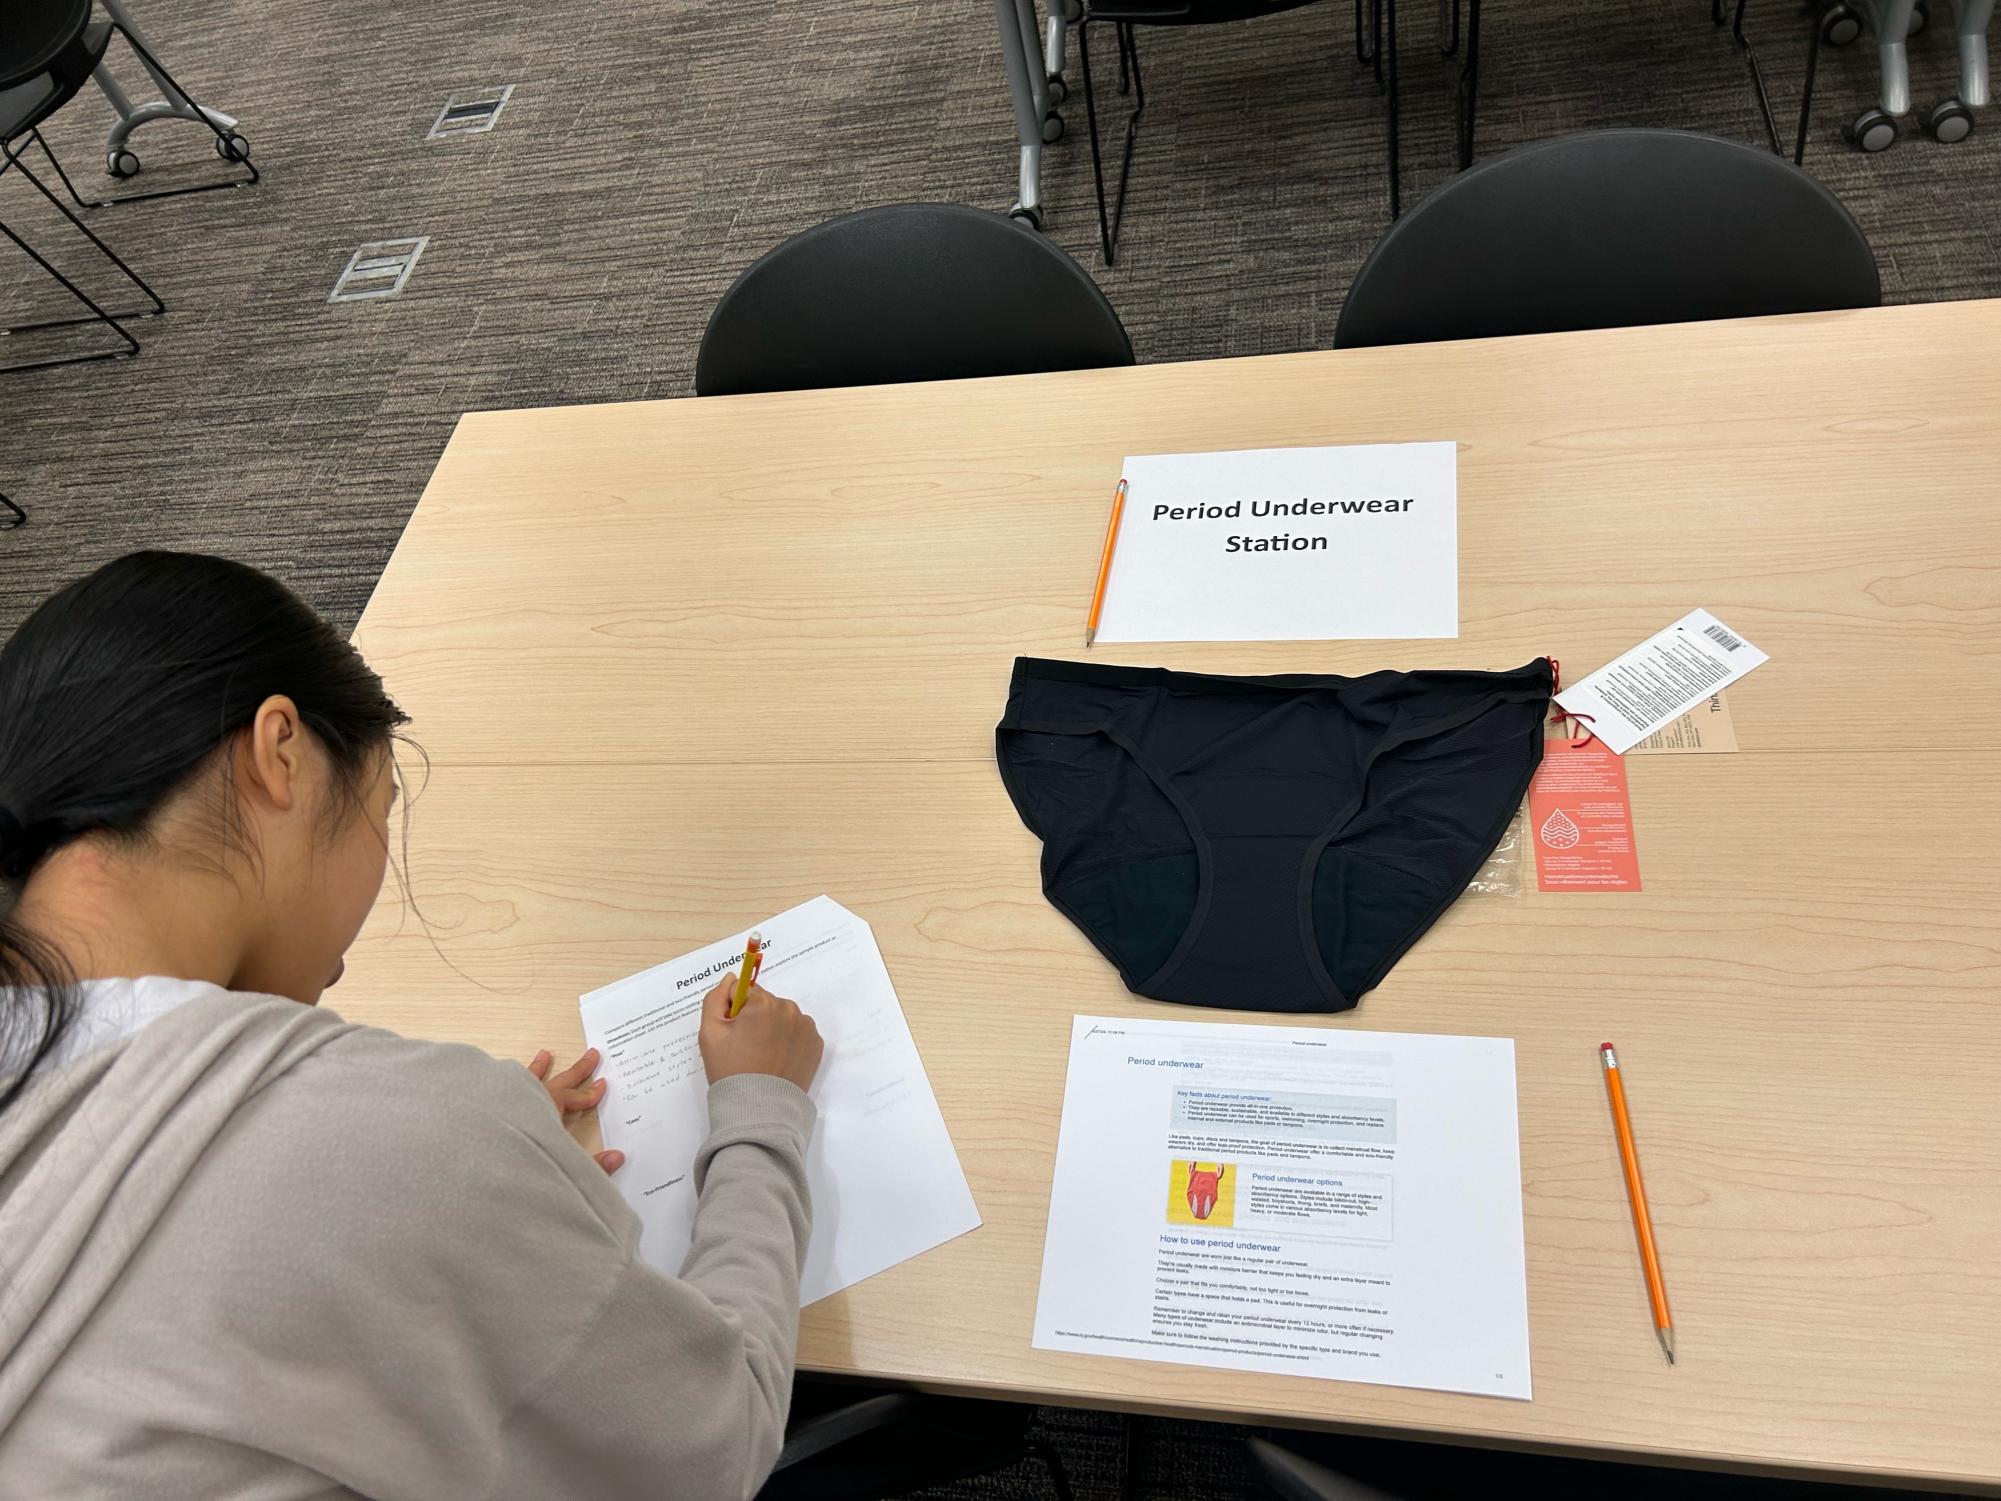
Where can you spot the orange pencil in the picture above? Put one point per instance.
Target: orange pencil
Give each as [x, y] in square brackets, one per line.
[1636, 1192]
[1105, 564]
[746, 972]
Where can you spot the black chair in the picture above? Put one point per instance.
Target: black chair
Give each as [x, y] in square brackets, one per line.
[1125, 15]
[48, 52]
[1303, 1467]
[913, 291]
[847, 1443]
[1608, 229]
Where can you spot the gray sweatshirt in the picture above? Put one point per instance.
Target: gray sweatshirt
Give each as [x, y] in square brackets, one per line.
[252, 1251]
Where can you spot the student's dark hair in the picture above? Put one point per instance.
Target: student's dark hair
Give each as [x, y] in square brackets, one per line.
[116, 692]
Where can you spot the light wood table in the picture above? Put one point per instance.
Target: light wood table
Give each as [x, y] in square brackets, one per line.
[681, 664]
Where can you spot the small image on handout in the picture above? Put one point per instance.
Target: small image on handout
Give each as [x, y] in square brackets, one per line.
[1202, 1193]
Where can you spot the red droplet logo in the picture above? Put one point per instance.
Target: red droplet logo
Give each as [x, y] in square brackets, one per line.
[1558, 832]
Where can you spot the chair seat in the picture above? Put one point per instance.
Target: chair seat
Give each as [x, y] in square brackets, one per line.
[36, 96]
[36, 34]
[26, 105]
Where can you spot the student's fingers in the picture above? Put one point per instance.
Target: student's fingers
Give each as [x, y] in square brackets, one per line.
[577, 1072]
[716, 1004]
[539, 1064]
[611, 1161]
[577, 1100]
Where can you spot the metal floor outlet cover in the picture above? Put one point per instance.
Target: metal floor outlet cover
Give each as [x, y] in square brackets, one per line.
[470, 113]
[380, 269]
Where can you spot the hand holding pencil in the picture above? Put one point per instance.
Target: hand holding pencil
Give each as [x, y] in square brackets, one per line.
[766, 1035]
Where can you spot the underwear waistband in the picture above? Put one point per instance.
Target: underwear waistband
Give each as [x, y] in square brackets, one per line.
[1113, 675]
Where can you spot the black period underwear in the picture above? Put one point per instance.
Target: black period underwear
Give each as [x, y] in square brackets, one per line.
[1274, 843]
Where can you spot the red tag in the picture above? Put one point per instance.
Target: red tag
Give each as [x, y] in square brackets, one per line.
[1583, 820]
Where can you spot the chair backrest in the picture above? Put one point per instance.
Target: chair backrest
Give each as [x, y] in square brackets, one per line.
[34, 33]
[912, 291]
[1607, 229]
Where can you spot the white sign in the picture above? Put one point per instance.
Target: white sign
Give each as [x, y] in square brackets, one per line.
[1299, 1200]
[1660, 680]
[1288, 544]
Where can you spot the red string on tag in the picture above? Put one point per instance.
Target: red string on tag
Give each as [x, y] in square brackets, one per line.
[1558, 714]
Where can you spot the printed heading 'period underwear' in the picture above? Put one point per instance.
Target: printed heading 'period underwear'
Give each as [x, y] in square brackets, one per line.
[1264, 843]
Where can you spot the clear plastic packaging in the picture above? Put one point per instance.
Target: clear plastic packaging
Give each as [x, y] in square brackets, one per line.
[1502, 874]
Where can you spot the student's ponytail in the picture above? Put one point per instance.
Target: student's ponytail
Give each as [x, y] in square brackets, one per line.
[113, 694]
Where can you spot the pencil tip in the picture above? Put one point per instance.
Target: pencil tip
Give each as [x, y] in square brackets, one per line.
[1090, 636]
[1667, 1343]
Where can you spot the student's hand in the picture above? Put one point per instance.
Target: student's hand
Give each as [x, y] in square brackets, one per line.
[770, 1035]
[573, 1094]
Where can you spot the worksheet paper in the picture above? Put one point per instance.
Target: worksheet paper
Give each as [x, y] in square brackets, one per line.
[1661, 679]
[1287, 544]
[1289, 1199]
[885, 1180]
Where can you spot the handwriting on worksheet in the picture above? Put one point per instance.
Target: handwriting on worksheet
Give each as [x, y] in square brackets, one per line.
[652, 1052]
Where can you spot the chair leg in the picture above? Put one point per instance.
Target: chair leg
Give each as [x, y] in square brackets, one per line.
[1059, 1478]
[1389, 46]
[1469, 84]
[1757, 79]
[1806, 89]
[1369, 43]
[75, 197]
[1108, 224]
[13, 159]
[21, 519]
[132, 344]
[231, 147]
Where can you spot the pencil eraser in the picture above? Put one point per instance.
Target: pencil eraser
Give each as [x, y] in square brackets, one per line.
[1604, 1047]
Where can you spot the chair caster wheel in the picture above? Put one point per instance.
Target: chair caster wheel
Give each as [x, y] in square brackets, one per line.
[1949, 121]
[1058, 89]
[121, 163]
[1871, 131]
[1052, 129]
[1840, 26]
[234, 147]
[1920, 16]
[1027, 217]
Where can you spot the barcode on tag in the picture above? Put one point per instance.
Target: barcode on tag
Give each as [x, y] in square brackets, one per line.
[1721, 637]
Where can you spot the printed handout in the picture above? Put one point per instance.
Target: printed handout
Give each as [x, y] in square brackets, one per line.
[885, 1180]
[1290, 1199]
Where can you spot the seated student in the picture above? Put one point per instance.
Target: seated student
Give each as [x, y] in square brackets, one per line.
[248, 1249]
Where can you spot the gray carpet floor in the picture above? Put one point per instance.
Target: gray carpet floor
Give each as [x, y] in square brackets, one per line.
[651, 150]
